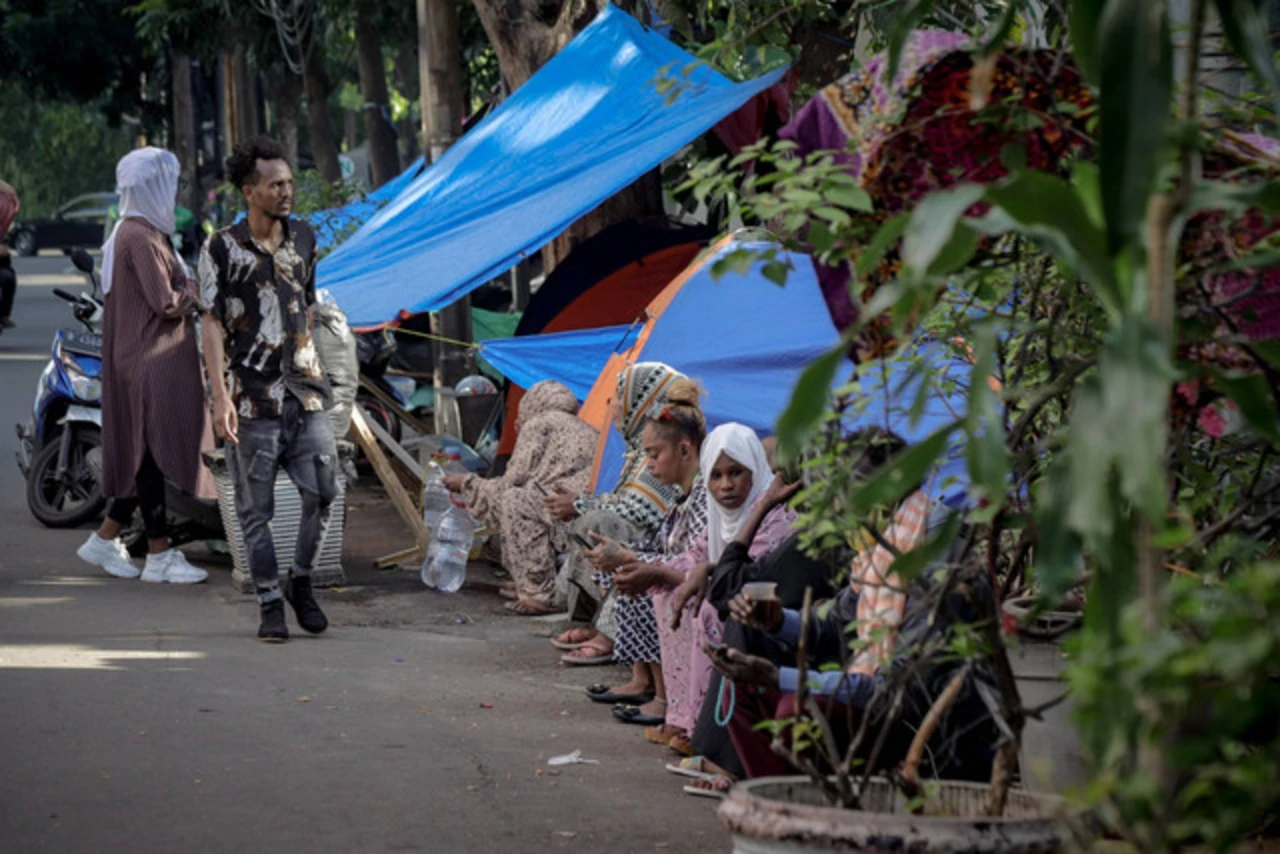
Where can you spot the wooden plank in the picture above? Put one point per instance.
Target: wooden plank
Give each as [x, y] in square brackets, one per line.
[394, 405]
[382, 467]
[402, 456]
[395, 559]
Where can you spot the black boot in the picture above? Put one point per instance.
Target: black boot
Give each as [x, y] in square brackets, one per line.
[297, 589]
[273, 628]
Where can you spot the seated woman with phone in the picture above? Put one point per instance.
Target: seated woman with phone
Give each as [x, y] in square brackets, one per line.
[554, 449]
[894, 621]
[630, 513]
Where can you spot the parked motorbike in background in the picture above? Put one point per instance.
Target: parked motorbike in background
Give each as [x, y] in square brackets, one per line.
[60, 446]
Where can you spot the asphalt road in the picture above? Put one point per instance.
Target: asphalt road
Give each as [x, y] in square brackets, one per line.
[146, 718]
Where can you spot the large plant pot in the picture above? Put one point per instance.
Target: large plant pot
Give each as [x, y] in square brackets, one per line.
[784, 815]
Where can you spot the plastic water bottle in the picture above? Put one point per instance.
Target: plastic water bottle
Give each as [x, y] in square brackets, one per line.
[445, 568]
[435, 498]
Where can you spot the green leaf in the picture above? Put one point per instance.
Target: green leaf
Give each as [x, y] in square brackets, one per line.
[903, 473]
[835, 216]
[1058, 548]
[1245, 24]
[905, 22]
[1046, 207]
[957, 252]
[1135, 90]
[988, 456]
[1083, 19]
[1253, 395]
[933, 224]
[994, 40]
[1234, 198]
[1118, 427]
[776, 272]
[885, 236]
[808, 401]
[855, 198]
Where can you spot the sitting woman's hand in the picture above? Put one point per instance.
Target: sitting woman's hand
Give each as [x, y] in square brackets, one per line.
[741, 668]
[635, 578]
[694, 588]
[454, 482]
[779, 491]
[560, 504]
[608, 554]
[763, 616]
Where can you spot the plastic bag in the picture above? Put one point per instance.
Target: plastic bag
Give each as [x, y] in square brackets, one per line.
[336, 346]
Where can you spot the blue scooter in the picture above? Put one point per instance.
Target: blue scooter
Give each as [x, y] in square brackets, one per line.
[60, 447]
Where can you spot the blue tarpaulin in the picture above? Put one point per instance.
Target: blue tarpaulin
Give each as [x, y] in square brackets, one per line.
[574, 358]
[331, 223]
[587, 124]
[746, 340]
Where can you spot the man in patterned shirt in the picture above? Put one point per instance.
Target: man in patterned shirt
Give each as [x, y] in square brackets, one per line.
[270, 393]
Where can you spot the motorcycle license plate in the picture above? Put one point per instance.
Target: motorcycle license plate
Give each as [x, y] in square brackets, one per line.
[83, 343]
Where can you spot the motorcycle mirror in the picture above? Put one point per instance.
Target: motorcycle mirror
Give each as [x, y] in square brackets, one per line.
[83, 261]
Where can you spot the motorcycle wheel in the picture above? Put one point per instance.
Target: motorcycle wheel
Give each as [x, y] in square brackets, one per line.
[77, 499]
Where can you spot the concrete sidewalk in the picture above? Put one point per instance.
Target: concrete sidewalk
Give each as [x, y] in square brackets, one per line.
[147, 718]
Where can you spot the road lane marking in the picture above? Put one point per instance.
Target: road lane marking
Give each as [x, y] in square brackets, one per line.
[45, 280]
[24, 357]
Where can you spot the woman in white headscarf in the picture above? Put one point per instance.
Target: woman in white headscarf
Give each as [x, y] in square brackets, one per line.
[737, 475]
[154, 422]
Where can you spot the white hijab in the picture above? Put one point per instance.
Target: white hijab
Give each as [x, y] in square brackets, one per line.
[147, 180]
[740, 444]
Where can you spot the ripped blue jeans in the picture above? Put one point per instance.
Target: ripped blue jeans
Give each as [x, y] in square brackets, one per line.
[302, 442]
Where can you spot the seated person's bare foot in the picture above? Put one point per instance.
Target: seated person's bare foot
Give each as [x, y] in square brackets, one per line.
[574, 637]
[655, 707]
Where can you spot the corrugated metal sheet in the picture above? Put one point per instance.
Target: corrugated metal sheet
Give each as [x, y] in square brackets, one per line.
[284, 531]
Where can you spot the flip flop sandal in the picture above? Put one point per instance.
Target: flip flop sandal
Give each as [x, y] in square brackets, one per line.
[655, 735]
[570, 646]
[691, 766]
[633, 715]
[682, 745]
[508, 593]
[720, 787]
[587, 660]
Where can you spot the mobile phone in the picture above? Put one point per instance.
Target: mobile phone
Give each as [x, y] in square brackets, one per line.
[538, 487]
[581, 541]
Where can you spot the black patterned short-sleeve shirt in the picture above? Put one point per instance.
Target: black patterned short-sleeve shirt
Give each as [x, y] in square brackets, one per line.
[262, 299]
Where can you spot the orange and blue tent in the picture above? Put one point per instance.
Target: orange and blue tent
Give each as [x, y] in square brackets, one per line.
[746, 340]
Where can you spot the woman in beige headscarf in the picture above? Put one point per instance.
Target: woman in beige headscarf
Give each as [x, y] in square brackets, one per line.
[8, 279]
[554, 448]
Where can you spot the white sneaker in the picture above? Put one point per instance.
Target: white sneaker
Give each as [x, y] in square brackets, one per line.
[110, 555]
[172, 566]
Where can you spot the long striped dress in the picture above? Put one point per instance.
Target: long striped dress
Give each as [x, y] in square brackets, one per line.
[152, 385]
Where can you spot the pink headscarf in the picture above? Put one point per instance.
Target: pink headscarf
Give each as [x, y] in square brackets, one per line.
[8, 207]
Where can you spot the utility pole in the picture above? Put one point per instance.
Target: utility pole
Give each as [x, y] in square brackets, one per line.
[440, 69]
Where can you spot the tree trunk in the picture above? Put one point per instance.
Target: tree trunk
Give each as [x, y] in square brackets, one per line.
[440, 61]
[525, 34]
[184, 131]
[324, 146]
[409, 85]
[286, 102]
[246, 96]
[377, 103]
[440, 82]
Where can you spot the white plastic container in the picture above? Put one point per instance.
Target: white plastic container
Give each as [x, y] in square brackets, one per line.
[445, 567]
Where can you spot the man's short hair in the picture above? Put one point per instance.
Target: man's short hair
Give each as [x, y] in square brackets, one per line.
[242, 165]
